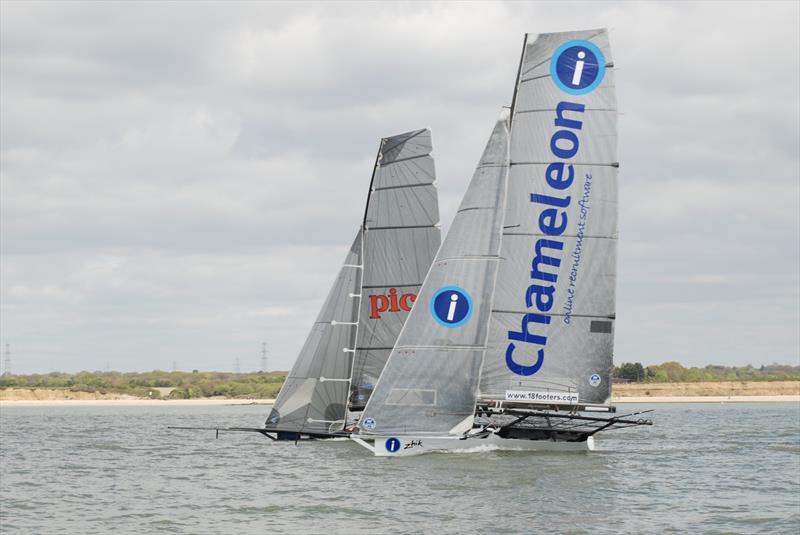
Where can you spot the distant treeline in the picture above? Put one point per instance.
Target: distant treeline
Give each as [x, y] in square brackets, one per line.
[674, 372]
[196, 384]
[186, 384]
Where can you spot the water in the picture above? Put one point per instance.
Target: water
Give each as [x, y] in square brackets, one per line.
[702, 469]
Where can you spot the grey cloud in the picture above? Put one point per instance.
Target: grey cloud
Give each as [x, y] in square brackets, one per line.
[179, 182]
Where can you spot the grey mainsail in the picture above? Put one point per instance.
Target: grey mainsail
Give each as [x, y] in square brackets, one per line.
[370, 299]
[401, 237]
[529, 264]
[552, 327]
[431, 379]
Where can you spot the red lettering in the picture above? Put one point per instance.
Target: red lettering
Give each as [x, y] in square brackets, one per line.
[374, 308]
[406, 300]
[393, 300]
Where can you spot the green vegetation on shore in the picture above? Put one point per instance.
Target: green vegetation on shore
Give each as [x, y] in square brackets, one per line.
[189, 385]
[186, 385]
[674, 372]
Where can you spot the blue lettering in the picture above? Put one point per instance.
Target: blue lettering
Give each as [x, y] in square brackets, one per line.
[564, 145]
[539, 258]
[568, 123]
[541, 292]
[554, 174]
[519, 369]
[547, 222]
[565, 153]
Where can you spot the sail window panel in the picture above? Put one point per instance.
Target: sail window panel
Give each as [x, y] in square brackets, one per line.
[475, 277]
[571, 356]
[367, 367]
[403, 207]
[400, 256]
[473, 233]
[404, 146]
[584, 287]
[592, 201]
[451, 373]
[414, 171]
[597, 139]
[539, 49]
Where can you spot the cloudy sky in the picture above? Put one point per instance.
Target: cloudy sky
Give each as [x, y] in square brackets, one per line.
[179, 181]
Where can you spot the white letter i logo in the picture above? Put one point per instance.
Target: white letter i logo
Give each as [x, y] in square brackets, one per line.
[576, 76]
[451, 312]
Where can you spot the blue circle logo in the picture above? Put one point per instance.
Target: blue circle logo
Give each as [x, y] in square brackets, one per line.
[392, 445]
[451, 306]
[577, 67]
[595, 380]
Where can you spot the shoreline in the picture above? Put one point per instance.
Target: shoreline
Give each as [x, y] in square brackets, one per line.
[266, 402]
[130, 402]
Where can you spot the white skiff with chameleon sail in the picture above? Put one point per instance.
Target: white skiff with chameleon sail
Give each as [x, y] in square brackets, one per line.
[378, 283]
[510, 345]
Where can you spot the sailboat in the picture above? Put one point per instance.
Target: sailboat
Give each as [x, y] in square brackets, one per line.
[510, 346]
[371, 297]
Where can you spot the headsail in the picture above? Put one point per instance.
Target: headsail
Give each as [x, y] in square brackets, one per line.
[553, 315]
[430, 381]
[368, 304]
[313, 398]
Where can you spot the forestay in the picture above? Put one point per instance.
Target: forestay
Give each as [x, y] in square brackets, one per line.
[430, 382]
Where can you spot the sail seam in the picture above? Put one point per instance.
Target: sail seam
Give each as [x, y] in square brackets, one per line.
[371, 286]
[550, 110]
[605, 317]
[595, 236]
[401, 227]
[462, 348]
[593, 164]
[404, 186]
[383, 164]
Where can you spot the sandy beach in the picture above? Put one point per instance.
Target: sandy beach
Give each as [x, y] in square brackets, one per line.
[721, 392]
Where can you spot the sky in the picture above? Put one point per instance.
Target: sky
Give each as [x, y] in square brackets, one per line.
[179, 182]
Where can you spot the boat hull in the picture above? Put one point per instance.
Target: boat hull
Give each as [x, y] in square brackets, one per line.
[405, 446]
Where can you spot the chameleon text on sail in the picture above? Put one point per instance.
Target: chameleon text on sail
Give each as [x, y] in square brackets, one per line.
[547, 250]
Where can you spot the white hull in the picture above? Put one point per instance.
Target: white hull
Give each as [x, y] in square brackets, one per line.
[404, 446]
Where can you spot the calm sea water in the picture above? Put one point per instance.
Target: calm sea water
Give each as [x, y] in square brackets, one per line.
[730, 468]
